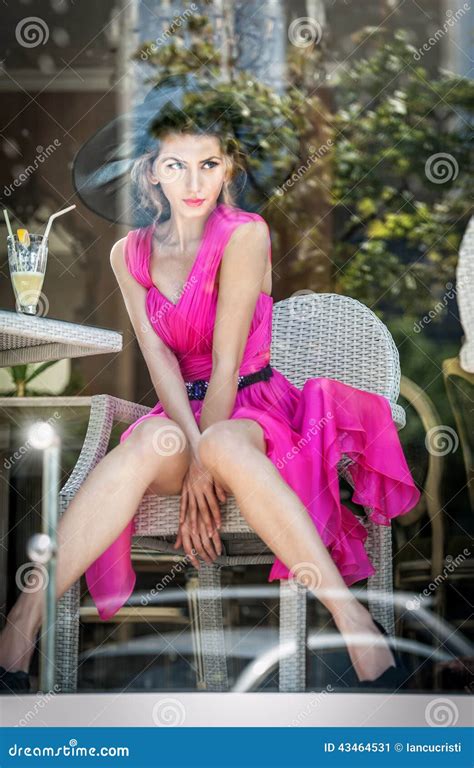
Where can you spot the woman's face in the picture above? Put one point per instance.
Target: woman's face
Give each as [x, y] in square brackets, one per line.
[190, 167]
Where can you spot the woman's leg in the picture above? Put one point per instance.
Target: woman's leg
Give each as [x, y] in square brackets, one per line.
[234, 452]
[105, 503]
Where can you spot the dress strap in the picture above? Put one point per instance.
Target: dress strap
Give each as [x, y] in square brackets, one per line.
[137, 243]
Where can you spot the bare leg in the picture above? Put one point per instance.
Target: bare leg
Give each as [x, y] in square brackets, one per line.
[104, 505]
[234, 452]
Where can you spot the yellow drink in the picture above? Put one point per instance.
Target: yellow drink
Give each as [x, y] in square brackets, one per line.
[27, 286]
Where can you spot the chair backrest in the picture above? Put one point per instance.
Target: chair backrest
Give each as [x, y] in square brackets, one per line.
[334, 336]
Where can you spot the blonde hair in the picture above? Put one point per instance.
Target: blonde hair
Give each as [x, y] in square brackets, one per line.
[150, 195]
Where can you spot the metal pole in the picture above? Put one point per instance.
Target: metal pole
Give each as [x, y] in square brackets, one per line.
[42, 548]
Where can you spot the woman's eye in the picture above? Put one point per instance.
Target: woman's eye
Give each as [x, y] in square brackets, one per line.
[178, 162]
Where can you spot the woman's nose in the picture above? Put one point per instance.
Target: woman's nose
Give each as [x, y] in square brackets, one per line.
[194, 180]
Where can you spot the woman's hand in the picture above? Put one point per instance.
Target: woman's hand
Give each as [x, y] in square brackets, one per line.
[200, 516]
[208, 547]
[199, 493]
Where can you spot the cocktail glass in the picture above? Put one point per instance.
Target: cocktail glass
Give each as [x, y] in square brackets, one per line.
[27, 263]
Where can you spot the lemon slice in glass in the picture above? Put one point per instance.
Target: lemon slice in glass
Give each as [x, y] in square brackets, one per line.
[23, 236]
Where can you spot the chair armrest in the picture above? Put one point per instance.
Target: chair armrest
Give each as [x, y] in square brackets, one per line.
[399, 415]
[105, 410]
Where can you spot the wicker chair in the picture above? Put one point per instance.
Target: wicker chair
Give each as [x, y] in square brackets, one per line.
[325, 335]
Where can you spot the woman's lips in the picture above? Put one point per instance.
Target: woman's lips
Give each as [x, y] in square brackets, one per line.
[194, 201]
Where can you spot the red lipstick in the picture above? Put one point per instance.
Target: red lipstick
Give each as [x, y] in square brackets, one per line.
[194, 201]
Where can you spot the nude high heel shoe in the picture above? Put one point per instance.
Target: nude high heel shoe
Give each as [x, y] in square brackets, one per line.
[394, 678]
[14, 681]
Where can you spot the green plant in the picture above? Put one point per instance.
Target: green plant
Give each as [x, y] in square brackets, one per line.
[372, 167]
[236, 100]
[22, 375]
[403, 177]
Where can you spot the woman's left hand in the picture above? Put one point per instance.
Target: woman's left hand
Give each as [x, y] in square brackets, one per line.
[207, 546]
[200, 495]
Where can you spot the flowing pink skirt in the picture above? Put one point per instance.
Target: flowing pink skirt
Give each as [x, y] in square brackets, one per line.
[306, 432]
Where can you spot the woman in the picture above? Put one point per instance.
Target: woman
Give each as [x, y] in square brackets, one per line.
[197, 289]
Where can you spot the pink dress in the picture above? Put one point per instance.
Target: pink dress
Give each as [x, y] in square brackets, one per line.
[350, 420]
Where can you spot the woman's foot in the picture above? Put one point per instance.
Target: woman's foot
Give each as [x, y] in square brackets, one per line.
[368, 649]
[14, 681]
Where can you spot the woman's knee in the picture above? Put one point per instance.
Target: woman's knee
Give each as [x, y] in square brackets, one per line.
[224, 440]
[156, 439]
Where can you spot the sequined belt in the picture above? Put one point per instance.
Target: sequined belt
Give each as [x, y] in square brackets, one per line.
[197, 389]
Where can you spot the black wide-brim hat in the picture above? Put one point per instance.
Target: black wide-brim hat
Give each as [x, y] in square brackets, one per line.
[101, 168]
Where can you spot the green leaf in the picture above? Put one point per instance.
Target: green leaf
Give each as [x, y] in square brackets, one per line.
[40, 369]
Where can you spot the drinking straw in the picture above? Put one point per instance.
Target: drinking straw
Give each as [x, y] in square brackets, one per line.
[9, 226]
[10, 231]
[51, 219]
